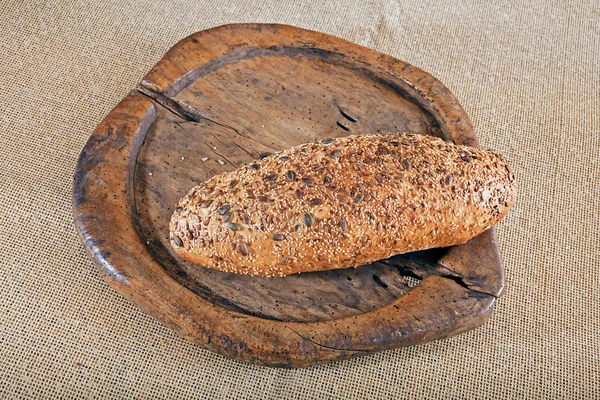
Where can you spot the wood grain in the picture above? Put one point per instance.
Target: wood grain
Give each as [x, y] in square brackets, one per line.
[221, 98]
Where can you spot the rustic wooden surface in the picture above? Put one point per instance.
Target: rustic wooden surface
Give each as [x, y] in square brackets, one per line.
[221, 98]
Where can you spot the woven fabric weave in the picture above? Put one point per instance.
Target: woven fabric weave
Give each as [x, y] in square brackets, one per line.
[527, 74]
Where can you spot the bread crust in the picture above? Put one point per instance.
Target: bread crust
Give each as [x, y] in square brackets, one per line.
[340, 203]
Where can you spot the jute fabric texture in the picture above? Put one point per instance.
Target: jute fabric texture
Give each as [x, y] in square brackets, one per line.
[527, 73]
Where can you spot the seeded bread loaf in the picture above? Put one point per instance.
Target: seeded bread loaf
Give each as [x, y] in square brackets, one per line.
[342, 202]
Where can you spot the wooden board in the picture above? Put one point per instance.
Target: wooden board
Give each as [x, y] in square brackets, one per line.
[221, 98]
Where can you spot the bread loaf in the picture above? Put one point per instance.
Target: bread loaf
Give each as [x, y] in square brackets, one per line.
[342, 202]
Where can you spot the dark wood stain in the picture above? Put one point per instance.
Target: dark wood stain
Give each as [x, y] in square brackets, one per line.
[222, 98]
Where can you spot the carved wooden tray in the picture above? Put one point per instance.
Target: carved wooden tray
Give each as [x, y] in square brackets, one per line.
[221, 98]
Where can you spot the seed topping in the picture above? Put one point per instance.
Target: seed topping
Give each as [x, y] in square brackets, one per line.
[308, 220]
[242, 248]
[224, 209]
[178, 241]
[278, 237]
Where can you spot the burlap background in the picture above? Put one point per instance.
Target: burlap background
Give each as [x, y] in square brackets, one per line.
[529, 75]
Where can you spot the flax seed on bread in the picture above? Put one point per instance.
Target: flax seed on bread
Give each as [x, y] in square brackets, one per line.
[342, 202]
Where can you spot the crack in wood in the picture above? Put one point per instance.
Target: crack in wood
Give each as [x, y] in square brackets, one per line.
[344, 127]
[246, 151]
[353, 350]
[439, 270]
[176, 107]
[380, 282]
[180, 108]
[254, 156]
[344, 113]
[223, 157]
